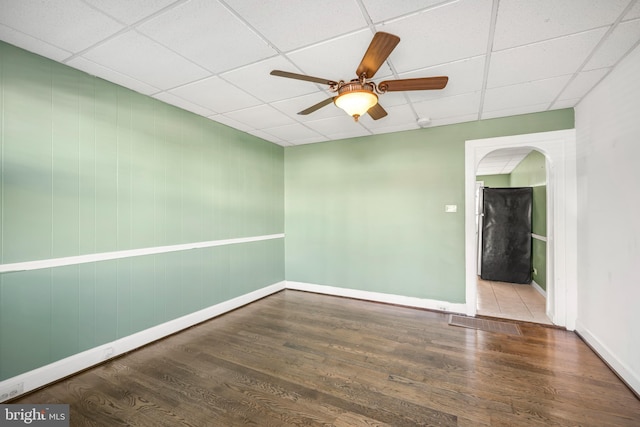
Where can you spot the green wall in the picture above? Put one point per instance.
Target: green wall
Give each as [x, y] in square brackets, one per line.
[494, 181]
[368, 213]
[87, 167]
[532, 172]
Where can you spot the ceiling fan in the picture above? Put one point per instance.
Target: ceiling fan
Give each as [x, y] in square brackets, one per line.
[359, 96]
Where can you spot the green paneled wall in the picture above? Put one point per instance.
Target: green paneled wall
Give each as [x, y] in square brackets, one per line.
[494, 181]
[368, 213]
[88, 167]
[530, 172]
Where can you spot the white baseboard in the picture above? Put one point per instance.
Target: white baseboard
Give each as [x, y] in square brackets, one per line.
[538, 288]
[62, 368]
[631, 378]
[379, 297]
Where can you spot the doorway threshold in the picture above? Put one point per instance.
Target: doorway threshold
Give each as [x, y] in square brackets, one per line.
[511, 301]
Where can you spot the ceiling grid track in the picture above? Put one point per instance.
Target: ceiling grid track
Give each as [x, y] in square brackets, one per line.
[487, 61]
[213, 57]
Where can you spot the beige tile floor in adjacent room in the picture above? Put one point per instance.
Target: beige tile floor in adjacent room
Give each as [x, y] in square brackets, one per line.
[511, 301]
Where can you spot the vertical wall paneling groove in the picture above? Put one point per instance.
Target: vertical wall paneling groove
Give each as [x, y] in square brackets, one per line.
[90, 168]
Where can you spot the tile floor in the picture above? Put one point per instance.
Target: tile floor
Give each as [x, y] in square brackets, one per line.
[511, 301]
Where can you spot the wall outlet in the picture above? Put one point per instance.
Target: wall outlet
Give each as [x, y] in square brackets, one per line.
[535, 271]
[12, 391]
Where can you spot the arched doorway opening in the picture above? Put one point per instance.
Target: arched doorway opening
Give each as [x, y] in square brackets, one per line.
[559, 149]
[515, 284]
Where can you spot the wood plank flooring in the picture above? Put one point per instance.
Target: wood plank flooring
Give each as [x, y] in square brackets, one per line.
[302, 359]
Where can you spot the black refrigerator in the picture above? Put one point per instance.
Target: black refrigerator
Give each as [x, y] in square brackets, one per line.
[506, 235]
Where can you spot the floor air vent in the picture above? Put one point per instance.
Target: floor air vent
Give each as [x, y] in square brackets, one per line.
[484, 324]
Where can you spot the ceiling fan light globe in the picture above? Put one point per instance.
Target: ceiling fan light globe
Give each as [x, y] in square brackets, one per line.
[356, 102]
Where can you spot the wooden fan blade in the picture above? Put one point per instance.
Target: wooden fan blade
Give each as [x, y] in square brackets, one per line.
[317, 106]
[423, 83]
[377, 112]
[378, 52]
[289, 75]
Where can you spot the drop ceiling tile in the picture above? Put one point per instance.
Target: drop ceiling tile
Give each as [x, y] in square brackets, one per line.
[498, 157]
[268, 137]
[440, 35]
[336, 59]
[454, 120]
[451, 106]
[355, 133]
[623, 38]
[400, 117]
[143, 59]
[483, 171]
[305, 141]
[524, 22]
[220, 118]
[290, 25]
[295, 132]
[634, 13]
[260, 117]
[384, 10]
[532, 62]
[464, 76]
[208, 34]
[497, 165]
[503, 156]
[583, 83]
[515, 111]
[564, 103]
[338, 127]
[128, 11]
[292, 106]
[72, 26]
[396, 128]
[523, 94]
[108, 74]
[538, 92]
[502, 161]
[216, 94]
[172, 99]
[393, 99]
[256, 80]
[32, 44]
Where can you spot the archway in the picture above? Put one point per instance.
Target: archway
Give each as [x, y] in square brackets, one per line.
[513, 295]
[559, 149]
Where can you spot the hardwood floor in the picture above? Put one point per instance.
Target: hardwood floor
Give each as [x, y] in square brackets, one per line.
[297, 358]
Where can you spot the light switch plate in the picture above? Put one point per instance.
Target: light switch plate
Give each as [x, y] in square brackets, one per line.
[451, 208]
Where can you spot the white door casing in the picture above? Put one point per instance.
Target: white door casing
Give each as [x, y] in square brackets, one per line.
[559, 147]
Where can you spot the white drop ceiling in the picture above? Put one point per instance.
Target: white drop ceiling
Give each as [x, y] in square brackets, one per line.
[502, 161]
[213, 57]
